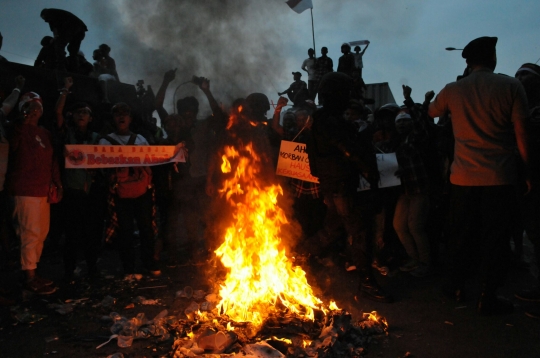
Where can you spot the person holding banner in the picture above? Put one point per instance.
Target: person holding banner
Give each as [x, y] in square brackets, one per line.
[83, 202]
[358, 57]
[309, 208]
[131, 198]
[336, 159]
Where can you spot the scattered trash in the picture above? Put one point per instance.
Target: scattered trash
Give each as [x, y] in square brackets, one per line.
[108, 301]
[133, 277]
[110, 339]
[350, 268]
[51, 339]
[510, 325]
[149, 287]
[449, 323]
[207, 306]
[25, 316]
[198, 294]
[187, 292]
[262, 350]
[62, 309]
[116, 355]
[75, 301]
[460, 307]
[191, 310]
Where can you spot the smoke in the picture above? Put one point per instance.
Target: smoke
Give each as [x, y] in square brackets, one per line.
[234, 43]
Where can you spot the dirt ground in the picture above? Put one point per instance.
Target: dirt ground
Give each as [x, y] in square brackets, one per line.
[422, 322]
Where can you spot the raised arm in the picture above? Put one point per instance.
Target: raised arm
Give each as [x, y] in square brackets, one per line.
[61, 102]
[282, 102]
[11, 101]
[160, 96]
[365, 48]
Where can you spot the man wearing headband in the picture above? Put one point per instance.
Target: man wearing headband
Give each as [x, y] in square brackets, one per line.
[489, 113]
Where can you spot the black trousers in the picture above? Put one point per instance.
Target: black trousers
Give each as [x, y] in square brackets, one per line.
[139, 209]
[480, 219]
[83, 221]
[343, 211]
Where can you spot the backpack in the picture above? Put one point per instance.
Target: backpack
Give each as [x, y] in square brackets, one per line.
[130, 182]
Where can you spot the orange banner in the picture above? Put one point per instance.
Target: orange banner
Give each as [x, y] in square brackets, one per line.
[111, 156]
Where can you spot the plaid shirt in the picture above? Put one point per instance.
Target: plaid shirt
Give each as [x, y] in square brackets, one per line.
[301, 187]
[322, 67]
[413, 173]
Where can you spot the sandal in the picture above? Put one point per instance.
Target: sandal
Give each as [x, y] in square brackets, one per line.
[39, 288]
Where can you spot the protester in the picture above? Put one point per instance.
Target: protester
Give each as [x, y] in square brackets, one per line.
[126, 203]
[33, 179]
[358, 57]
[188, 180]
[110, 64]
[412, 208]
[297, 91]
[529, 76]
[489, 114]
[309, 65]
[5, 255]
[323, 65]
[346, 61]
[103, 74]
[308, 206]
[68, 30]
[334, 158]
[82, 203]
[2, 58]
[46, 57]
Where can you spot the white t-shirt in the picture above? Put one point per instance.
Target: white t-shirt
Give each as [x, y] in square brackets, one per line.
[309, 63]
[124, 139]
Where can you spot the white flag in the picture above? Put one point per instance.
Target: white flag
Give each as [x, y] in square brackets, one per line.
[300, 6]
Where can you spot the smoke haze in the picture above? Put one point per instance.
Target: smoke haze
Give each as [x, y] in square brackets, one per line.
[234, 43]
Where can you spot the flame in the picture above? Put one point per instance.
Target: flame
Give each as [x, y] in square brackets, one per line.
[373, 316]
[333, 306]
[288, 341]
[306, 343]
[230, 326]
[259, 273]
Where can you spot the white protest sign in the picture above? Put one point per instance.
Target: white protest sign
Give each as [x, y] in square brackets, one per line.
[387, 165]
[293, 162]
[359, 42]
[111, 156]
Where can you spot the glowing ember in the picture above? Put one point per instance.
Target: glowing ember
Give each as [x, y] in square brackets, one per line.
[260, 275]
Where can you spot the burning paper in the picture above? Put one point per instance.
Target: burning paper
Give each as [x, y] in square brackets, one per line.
[260, 276]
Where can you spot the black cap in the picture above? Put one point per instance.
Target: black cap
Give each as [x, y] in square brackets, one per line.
[297, 73]
[482, 48]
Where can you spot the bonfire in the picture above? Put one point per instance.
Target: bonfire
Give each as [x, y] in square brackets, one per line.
[265, 303]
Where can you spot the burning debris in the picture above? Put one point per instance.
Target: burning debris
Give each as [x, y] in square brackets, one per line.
[329, 335]
[266, 307]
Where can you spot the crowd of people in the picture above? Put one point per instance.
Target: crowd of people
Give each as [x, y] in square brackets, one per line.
[467, 180]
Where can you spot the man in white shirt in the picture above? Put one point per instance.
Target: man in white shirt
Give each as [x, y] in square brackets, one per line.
[309, 66]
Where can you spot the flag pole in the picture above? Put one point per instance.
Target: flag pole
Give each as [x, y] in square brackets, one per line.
[313, 32]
